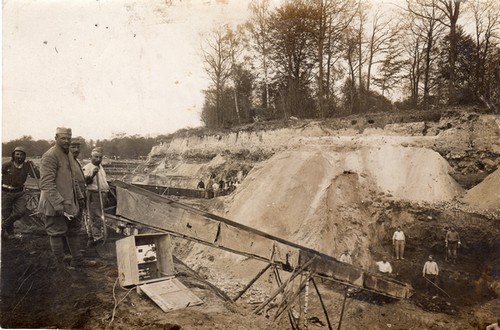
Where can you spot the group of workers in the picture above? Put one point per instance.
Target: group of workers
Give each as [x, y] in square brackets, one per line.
[430, 270]
[214, 188]
[66, 190]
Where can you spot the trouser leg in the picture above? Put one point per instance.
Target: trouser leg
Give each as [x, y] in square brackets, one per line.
[57, 247]
[13, 209]
[96, 214]
[74, 247]
[453, 250]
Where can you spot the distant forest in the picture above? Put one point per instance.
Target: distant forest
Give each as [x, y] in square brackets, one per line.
[124, 147]
[328, 58]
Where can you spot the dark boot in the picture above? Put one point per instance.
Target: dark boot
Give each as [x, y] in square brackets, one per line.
[8, 226]
[74, 248]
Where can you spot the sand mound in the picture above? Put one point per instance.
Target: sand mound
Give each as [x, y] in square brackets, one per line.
[485, 195]
[317, 199]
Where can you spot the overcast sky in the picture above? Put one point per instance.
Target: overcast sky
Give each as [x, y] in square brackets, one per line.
[106, 66]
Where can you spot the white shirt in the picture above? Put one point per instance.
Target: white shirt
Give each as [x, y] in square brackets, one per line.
[384, 267]
[346, 258]
[398, 235]
[430, 268]
[100, 176]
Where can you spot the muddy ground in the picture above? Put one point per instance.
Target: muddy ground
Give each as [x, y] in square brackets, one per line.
[36, 295]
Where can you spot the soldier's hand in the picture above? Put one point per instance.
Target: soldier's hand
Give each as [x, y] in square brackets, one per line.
[59, 209]
[94, 172]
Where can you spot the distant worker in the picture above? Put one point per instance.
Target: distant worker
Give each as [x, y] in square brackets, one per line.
[201, 184]
[384, 266]
[398, 240]
[346, 257]
[61, 199]
[431, 273]
[97, 193]
[14, 175]
[215, 188]
[209, 190]
[452, 242]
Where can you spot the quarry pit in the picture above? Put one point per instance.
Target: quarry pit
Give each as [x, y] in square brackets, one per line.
[327, 185]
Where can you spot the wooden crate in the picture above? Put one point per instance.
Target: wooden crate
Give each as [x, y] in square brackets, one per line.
[144, 258]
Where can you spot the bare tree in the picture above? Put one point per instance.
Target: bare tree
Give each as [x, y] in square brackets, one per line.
[351, 56]
[450, 10]
[382, 43]
[425, 23]
[333, 17]
[218, 64]
[486, 18]
[258, 27]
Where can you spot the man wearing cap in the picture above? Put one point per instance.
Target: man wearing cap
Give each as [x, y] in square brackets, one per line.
[430, 272]
[75, 148]
[14, 175]
[61, 198]
[97, 191]
[452, 242]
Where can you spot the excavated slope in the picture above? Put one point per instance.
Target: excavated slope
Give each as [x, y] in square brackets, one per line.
[316, 198]
[485, 195]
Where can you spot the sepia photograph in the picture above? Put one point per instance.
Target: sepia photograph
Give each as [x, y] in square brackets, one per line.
[250, 164]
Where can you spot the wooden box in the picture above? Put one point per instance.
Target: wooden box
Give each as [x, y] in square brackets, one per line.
[144, 258]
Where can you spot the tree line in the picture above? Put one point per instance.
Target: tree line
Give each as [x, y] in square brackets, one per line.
[324, 58]
[124, 147]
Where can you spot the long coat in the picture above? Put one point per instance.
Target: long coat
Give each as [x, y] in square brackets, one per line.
[58, 182]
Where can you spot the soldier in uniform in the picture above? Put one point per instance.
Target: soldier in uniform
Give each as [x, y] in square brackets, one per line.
[14, 175]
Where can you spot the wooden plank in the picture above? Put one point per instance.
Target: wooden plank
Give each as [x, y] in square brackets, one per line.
[165, 257]
[240, 240]
[170, 295]
[161, 214]
[128, 273]
[386, 286]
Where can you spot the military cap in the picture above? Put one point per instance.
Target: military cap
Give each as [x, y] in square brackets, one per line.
[76, 140]
[19, 149]
[63, 130]
[97, 151]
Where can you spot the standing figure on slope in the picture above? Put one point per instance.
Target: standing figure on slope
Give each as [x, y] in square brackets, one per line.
[14, 175]
[398, 240]
[97, 193]
[346, 257]
[61, 199]
[452, 242]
